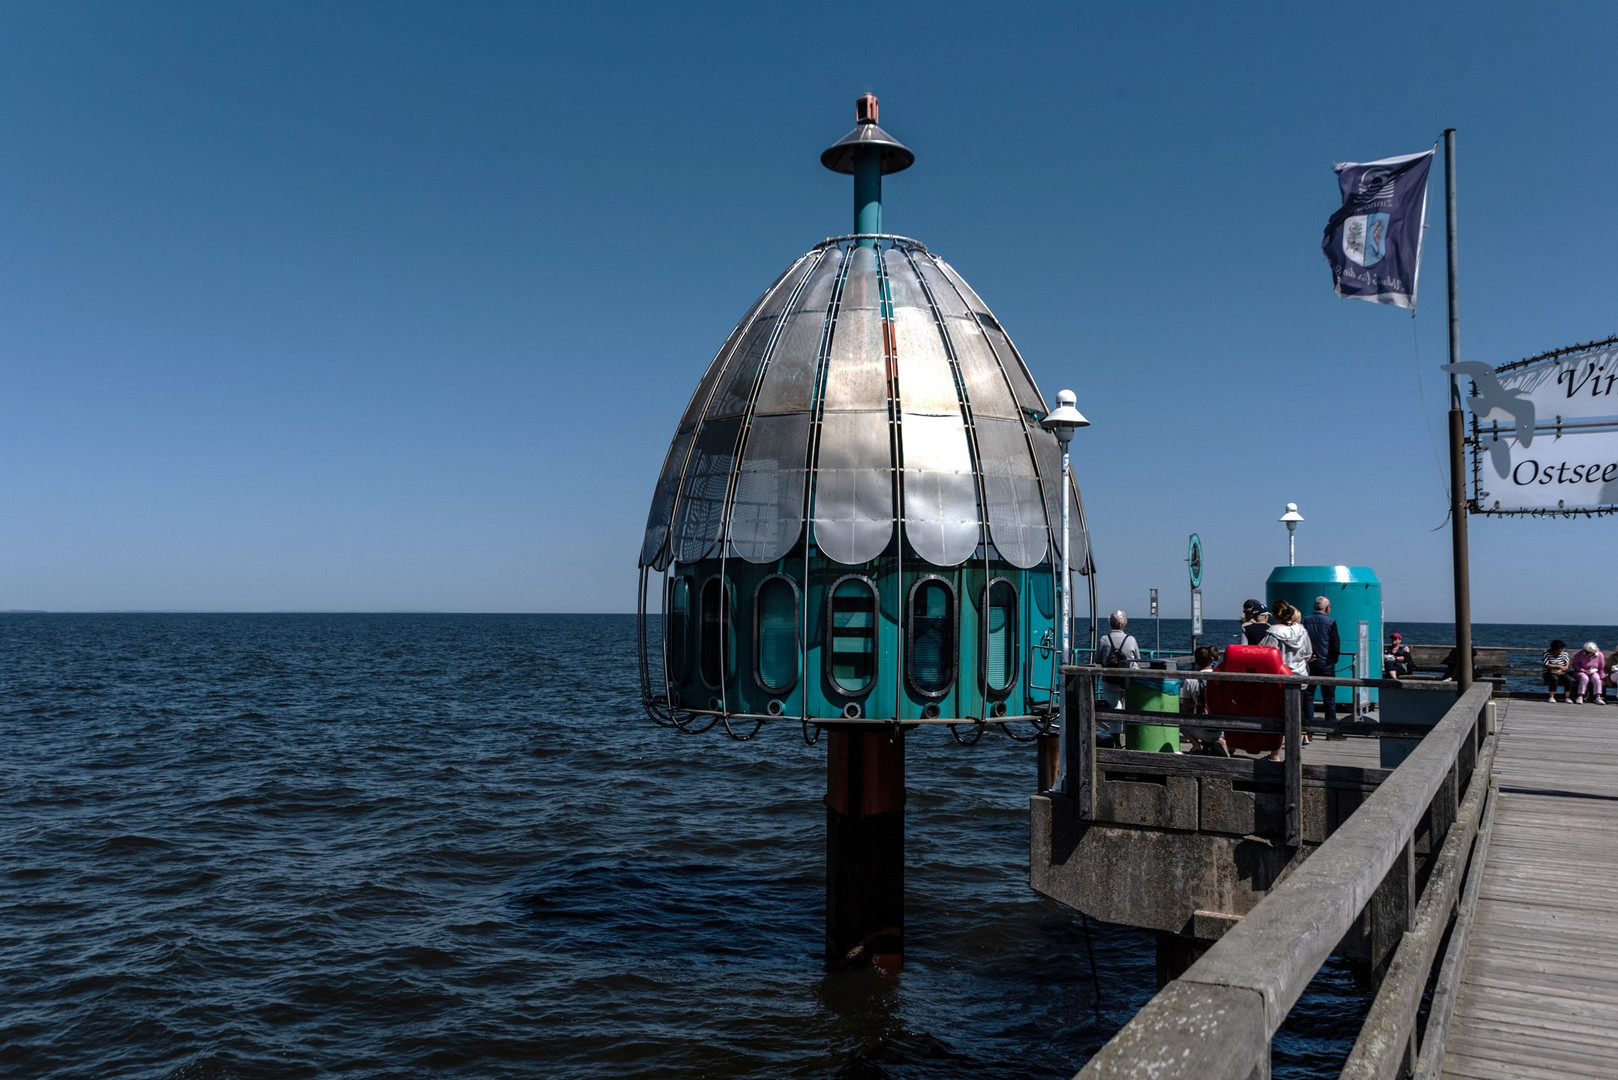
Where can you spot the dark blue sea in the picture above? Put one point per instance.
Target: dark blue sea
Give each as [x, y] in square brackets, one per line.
[267, 846]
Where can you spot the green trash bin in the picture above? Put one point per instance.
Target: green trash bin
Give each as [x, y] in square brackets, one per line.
[1154, 696]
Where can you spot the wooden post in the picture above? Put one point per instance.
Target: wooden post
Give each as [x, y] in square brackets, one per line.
[1294, 765]
[1448, 800]
[1466, 760]
[1175, 955]
[1081, 750]
[1392, 908]
[865, 797]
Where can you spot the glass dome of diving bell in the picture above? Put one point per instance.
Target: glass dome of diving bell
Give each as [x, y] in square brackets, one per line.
[859, 515]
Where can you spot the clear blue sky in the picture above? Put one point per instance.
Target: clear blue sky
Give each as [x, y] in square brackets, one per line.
[395, 306]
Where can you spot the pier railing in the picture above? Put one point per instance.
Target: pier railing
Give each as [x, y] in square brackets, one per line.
[1085, 755]
[1215, 1022]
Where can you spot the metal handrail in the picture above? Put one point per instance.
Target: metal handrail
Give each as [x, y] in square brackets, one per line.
[1080, 769]
[1096, 671]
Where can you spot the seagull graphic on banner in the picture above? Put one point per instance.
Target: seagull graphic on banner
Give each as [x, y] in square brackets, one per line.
[1491, 398]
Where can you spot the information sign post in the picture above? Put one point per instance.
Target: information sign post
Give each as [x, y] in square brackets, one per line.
[1193, 561]
[1362, 658]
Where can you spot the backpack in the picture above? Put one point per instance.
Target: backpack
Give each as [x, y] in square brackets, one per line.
[1115, 655]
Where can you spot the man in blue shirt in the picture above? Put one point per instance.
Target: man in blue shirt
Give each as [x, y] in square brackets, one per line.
[1328, 647]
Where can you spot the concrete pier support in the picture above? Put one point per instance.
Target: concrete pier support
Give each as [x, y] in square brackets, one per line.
[865, 832]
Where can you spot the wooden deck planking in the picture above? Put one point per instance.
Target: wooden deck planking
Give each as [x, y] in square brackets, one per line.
[1357, 752]
[1506, 974]
[1539, 990]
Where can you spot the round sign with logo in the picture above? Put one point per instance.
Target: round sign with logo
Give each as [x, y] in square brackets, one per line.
[1195, 561]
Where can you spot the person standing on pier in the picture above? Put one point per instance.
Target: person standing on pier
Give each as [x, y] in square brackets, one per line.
[1288, 635]
[1291, 638]
[1255, 621]
[1118, 649]
[1328, 648]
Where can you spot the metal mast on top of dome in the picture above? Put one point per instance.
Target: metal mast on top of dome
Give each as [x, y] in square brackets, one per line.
[867, 153]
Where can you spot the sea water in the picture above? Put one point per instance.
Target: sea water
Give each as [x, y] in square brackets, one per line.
[244, 846]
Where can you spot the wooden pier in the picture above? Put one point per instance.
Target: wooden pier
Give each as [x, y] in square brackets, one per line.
[1494, 851]
[1537, 994]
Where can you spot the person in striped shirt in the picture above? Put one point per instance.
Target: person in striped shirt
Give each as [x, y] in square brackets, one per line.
[1556, 662]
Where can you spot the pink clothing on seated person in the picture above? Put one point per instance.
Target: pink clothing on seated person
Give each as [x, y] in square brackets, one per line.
[1589, 672]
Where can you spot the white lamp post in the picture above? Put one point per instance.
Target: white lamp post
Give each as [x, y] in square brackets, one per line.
[1063, 421]
[1290, 519]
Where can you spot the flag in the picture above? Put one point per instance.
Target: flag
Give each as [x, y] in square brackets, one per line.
[1373, 242]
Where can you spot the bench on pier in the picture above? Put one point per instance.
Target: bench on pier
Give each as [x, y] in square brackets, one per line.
[1492, 664]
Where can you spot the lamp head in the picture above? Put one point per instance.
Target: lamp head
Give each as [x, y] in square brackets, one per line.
[1064, 419]
[1291, 518]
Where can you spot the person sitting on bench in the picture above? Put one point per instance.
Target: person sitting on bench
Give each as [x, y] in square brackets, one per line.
[1396, 661]
[1589, 670]
[1556, 662]
[1451, 671]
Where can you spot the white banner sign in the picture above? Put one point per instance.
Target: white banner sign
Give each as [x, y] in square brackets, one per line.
[1578, 471]
[1547, 432]
[1576, 386]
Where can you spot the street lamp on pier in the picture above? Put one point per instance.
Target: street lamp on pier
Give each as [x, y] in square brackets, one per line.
[1063, 421]
[1290, 519]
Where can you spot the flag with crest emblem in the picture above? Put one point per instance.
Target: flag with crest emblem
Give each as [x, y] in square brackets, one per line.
[1373, 241]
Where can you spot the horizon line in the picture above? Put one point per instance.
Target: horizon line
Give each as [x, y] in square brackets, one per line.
[1386, 622]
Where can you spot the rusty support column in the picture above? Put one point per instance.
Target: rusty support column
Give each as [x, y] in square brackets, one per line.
[1459, 503]
[865, 833]
[1048, 747]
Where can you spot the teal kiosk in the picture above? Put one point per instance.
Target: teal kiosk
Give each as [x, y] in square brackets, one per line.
[1355, 593]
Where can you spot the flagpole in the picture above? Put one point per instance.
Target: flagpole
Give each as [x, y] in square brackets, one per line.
[1457, 451]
